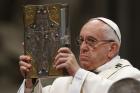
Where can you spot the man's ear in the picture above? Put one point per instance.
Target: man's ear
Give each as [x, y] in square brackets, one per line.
[114, 49]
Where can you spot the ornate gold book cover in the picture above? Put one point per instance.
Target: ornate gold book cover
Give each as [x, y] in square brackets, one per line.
[46, 30]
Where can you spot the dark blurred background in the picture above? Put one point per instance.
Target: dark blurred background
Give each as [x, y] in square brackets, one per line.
[124, 12]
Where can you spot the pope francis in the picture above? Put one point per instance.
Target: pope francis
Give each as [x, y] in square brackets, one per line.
[99, 62]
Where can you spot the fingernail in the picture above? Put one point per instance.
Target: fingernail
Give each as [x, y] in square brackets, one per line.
[29, 65]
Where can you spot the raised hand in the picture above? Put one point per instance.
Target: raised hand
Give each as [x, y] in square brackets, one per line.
[66, 59]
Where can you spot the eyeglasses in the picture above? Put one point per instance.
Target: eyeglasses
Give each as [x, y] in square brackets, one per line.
[91, 41]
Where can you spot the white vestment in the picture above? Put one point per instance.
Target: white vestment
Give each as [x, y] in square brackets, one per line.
[88, 82]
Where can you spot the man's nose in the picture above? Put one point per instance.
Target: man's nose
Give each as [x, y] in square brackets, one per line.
[83, 47]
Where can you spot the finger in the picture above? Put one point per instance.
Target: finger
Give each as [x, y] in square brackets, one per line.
[25, 58]
[60, 61]
[27, 65]
[60, 55]
[24, 69]
[64, 50]
[61, 66]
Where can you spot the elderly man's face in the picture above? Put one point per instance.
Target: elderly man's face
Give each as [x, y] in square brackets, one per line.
[93, 46]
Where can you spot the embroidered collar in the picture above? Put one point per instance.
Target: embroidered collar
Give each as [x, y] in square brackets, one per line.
[109, 64]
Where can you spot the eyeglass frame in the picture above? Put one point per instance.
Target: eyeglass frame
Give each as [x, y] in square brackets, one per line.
[91, 41]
